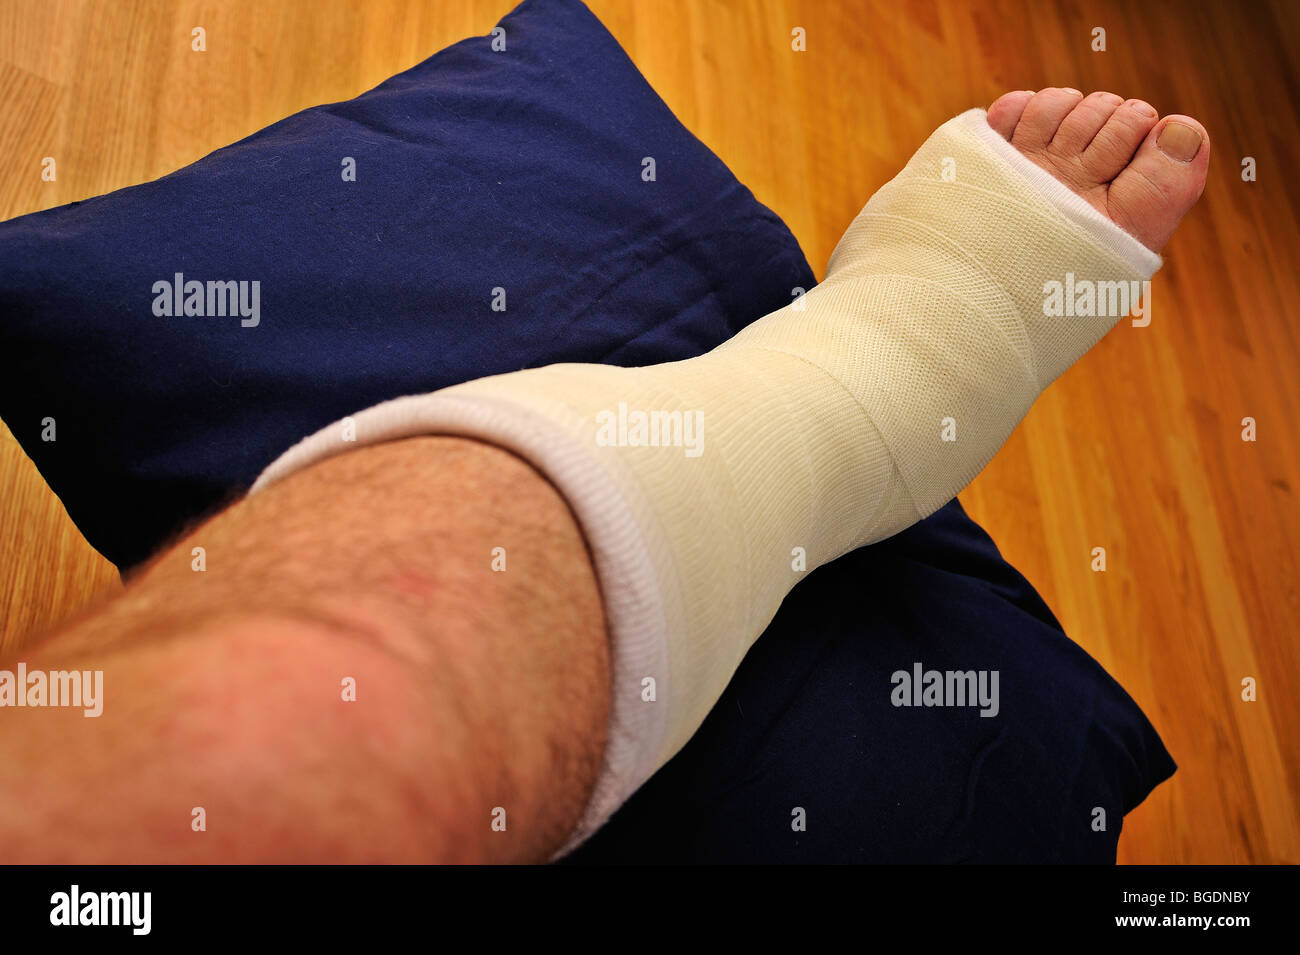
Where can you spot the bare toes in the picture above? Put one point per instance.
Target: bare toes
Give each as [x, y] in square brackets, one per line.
[1081, 126]
[1006, 109]
[1140, 171]
[1117, 140]
[1043, 115]
[1152, 193]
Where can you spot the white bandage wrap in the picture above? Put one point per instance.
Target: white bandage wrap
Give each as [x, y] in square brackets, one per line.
[705, 488]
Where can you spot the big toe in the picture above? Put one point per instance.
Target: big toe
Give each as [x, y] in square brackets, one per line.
[1150, 196]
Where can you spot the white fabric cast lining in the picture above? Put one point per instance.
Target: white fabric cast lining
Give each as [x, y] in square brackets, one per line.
[821, 423]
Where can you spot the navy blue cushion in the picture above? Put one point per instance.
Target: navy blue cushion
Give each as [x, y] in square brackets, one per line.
[523, 170]
[809, 723]
[476, 170]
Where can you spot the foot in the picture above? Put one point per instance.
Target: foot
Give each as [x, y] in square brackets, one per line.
[1141, 171]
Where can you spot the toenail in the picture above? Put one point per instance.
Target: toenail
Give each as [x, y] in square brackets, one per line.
[1179, 141]
[1071, 89]
[1146, 109]
[1109, 97]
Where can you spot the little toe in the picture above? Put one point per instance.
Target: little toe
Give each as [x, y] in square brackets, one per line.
[1006, 111]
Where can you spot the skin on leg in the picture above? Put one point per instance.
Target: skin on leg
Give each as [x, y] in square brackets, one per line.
[223, 689]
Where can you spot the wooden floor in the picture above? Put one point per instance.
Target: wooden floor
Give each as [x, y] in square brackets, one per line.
[1137, 450]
